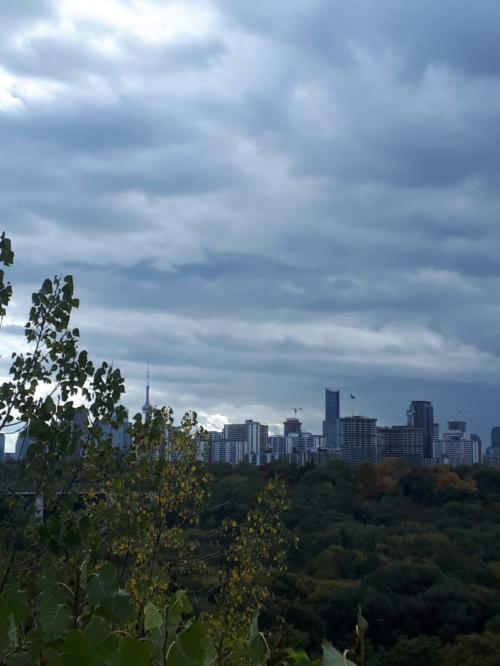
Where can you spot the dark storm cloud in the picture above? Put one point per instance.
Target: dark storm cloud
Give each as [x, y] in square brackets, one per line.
[92, 129]
[454, 34]
[227, 282]
[460, 35]
[280, 197]
[395, 128]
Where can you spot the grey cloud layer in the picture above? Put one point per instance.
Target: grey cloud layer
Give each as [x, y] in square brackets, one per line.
[294, 169]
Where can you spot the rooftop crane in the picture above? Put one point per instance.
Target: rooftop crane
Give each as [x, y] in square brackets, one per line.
[295, 410]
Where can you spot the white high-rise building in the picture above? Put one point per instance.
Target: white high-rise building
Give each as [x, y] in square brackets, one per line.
[227, 451]
[253, 433]
[459, 448]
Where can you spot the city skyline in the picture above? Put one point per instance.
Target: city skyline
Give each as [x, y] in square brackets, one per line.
[262, 199]
[346, 407]
[309, 418]
[355, 439]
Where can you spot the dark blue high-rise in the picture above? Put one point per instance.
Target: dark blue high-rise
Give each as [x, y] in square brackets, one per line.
[332, 415]
[421, 415]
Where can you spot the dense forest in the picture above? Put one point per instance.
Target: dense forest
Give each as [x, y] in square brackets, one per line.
[418, 549]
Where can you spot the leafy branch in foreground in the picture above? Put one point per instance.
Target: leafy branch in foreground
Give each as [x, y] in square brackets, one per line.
[100, 637]
[96, 543]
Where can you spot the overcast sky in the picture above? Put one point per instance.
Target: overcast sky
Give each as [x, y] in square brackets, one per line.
[263, 198]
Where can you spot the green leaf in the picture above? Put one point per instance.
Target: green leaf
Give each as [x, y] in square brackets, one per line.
[332, 657]
[19, 659]
[100, 589]
[123, 608]
[100, 637]
[78, 652]
[182, 602]
[12, 629]
[175, 656]
[362, 625]
[257, 651]
[256, 647]
[103, 591]
[53, 657]
[84, 573]
[46, 287]
[15, 602]
[191, 643]
[180, 605]
[54, 618]
[299, 657]
[253, 632]
[152, 617]
[158, 639]
[133, 652]
[191, 647]
[35, 644]
[6, 254]
[8, 635]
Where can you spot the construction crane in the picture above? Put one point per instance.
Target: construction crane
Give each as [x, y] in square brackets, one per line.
[295, 410]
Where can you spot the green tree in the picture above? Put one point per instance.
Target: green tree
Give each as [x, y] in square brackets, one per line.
[98, 579]
[473, 650]
[409, 652]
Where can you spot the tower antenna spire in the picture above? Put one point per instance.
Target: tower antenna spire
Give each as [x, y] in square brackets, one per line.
[146, 410]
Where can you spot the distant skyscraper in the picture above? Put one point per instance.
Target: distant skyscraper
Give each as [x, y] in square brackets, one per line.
[457, 450]
[292, 425]
[358, 439]
[492, 453]
[213, 437]
[421, 415]
[437, 444]
[23, 442]
[253, 433]
[477, 443]
[491, 456]
[227, 451]
[332, 415]
[495, 437]
[280, 445]
[312, 442]
[460, 448]
[402, 442]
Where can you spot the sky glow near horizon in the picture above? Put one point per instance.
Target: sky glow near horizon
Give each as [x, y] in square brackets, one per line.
[263, 199]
